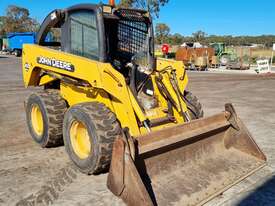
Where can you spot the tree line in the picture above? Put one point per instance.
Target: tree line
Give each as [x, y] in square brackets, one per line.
[162, 35]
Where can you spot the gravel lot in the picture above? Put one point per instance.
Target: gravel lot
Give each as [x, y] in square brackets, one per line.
[30, 174]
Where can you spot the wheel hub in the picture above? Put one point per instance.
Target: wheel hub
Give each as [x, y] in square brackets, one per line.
[80, 139]
[37, 120]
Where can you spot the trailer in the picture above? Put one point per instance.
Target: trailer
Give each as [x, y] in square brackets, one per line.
[17, 39]
[195, 58]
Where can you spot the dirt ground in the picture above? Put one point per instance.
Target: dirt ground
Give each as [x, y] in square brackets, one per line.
[30, 175]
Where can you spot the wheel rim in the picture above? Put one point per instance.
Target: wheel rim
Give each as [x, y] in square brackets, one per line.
[37, 120]
[80, 139]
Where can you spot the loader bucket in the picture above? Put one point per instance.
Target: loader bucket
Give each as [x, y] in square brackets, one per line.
[184, 165]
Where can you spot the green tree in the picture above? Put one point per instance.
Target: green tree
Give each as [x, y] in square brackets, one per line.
[152, 5]
[176, 39]
[199, 36]
[162, 33]
[17, 19]
[2, 22]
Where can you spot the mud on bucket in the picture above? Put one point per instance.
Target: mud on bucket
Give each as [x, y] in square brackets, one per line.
[184, 165]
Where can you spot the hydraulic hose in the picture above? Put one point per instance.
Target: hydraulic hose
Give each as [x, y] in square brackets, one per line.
[175, 85]
[133, 79]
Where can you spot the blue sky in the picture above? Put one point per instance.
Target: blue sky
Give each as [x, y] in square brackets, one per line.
[234, 17]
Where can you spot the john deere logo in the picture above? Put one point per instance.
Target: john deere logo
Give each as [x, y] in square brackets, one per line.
[55, 63]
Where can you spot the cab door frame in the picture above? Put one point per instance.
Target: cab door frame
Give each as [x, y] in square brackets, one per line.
[60, 19]
[66, 28]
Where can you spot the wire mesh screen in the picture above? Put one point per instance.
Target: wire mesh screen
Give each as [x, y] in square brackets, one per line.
[132, 37]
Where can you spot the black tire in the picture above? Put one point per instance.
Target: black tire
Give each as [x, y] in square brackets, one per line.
[52, 108]
[224, 59]
[102, 127]
[17, 53]
[193, 105]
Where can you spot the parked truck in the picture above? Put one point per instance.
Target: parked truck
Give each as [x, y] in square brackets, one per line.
[16, 41]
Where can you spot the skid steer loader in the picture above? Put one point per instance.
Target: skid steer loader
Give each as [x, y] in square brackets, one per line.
[118, 109]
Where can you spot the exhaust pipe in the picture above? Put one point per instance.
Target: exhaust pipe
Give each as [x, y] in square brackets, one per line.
[112, 3]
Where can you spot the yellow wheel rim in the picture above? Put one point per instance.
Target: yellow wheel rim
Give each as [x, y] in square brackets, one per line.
[80, 139]
[37, 120]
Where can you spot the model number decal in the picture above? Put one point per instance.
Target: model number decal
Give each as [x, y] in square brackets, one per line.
[55, 63]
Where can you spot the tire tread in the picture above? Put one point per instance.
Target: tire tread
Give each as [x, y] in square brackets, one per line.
[193, 105]
[56, 108]
[107, 128]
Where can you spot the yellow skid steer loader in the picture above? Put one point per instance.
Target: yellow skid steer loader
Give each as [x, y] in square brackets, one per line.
[118, 109]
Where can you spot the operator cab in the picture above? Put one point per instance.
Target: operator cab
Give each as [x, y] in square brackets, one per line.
[122, 37]
[102, 33]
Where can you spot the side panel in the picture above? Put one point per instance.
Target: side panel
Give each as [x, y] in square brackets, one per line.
[83, 68]
[75, 95]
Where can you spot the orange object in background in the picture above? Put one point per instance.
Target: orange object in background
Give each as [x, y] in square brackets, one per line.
[188, 55]
[112, 2]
